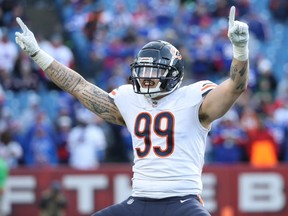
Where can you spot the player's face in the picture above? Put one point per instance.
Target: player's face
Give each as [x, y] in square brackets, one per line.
[149, 76]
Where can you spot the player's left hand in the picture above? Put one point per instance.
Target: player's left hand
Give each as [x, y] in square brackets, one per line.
[238, 31]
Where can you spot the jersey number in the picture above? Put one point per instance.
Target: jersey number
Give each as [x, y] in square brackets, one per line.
[144, 131]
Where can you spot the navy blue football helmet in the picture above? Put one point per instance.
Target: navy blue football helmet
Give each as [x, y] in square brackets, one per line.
[157, 60]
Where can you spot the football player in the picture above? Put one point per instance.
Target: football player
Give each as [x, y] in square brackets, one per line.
[168, 124]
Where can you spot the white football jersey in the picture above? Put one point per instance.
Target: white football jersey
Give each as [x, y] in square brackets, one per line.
[168, 140]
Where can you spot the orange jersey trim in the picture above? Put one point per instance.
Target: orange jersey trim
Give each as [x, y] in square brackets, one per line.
[113, 92]
[208, 86]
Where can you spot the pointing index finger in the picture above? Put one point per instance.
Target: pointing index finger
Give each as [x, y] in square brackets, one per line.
[21, 24]
[231, 16]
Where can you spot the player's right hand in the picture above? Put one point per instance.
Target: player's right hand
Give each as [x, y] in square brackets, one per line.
[26, 40]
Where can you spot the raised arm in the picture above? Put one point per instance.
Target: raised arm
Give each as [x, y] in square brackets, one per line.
[91, 96]
[222, 98]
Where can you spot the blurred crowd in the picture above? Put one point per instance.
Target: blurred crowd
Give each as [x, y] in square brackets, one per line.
[40, 125]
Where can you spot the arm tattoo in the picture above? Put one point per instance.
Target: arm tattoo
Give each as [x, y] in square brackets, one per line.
[91, 96]
[64, 77]
[239, 74]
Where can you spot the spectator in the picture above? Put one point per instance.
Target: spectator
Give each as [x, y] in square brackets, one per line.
[258, 26]
[263, 150]
[64, 124]
[229, 140]
[33, 106]
[8, 57]
[282, 87]
[10, 150]
[86, 142]
[39, 143]
[278, 9]
[53, 201]
[265, 72]
[118, 150]
[62, 52]
[249, 120]
[264, 95]
[281, 113]
[25, 76]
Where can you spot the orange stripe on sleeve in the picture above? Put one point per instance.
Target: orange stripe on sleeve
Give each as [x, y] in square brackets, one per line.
[208, 86]
[113, 92]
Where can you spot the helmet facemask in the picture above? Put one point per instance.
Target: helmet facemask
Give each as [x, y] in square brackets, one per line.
[148, 79]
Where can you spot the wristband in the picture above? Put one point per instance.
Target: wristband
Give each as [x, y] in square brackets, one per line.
[240, 53]
[43, 59]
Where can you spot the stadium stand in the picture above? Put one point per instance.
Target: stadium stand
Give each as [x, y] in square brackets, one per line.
[90, 31]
